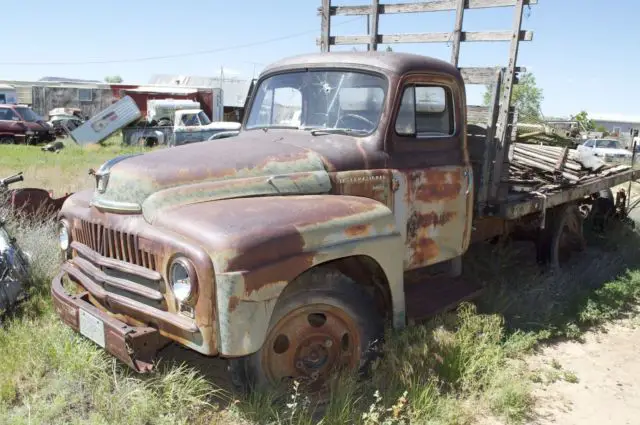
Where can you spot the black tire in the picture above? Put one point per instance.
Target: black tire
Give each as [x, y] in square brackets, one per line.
[316, 293]
[603, 209]
[562, 235]
[7, 140]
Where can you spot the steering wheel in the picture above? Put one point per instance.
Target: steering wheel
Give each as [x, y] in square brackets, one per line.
[360, 117]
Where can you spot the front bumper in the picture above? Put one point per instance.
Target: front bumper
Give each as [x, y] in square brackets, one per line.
[134, 345]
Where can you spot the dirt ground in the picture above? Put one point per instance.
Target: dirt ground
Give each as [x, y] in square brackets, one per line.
[607, 368]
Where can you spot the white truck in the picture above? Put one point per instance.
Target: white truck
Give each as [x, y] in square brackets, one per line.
[176, 122]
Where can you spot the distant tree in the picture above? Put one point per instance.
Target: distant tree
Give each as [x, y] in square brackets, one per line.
[114, 79]
[526, 97]
[389, 49]
[601, 128]
[586, 124]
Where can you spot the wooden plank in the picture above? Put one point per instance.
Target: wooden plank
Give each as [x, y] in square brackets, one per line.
[325, 26]
[434, 6]
[477, 114]
[434, 37]
[482, 75]
[495, 36]
[373, 32]
[502, 147]
[519, 209]
[489, 147]
[457, 33]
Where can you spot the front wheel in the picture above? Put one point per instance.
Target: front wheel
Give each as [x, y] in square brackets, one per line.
[326, 324]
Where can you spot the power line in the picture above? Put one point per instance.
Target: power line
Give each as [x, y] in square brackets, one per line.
[178, 55]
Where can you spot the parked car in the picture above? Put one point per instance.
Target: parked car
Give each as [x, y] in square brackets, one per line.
[609, 150]
[19, 124]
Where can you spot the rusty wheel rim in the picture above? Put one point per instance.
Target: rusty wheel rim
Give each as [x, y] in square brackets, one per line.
[308, 345]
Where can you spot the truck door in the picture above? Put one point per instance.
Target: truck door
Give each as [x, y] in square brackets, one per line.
[432, 176]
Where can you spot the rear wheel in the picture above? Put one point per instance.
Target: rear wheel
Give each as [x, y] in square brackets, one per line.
[326, 324]
[6, 140]
[562, 237]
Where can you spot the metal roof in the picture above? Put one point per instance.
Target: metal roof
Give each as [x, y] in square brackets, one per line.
[393, 62]
[234, 89]
[164, 89]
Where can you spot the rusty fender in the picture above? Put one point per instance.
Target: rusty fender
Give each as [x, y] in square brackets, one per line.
[259, 245]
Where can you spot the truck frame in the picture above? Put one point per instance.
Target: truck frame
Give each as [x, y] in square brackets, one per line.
[287, 251]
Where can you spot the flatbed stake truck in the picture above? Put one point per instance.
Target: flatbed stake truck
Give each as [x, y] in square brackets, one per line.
[289, 249]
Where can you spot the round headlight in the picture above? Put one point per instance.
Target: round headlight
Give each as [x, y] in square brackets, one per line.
[64, 237]
[182, 279]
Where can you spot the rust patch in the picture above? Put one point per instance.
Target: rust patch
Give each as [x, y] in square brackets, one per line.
[372, 184]
[439, 186]
[424, 250]
[358, 230]
[233, 303]
[285, 270]
[417, 221]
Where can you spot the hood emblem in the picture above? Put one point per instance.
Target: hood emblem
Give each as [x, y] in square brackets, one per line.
[102, 175]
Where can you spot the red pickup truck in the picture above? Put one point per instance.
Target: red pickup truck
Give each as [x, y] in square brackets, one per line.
[19, 124]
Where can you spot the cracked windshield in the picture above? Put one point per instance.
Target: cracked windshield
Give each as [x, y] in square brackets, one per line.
[327, 101]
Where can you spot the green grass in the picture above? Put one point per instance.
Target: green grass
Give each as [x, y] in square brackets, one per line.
[463, 364]
[66, 171]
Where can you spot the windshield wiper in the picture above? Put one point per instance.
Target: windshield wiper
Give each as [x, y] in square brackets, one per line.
[320, 130]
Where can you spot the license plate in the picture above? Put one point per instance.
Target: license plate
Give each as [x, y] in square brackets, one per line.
[92, 328]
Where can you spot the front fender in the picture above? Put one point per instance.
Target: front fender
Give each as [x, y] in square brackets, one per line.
[259, 245]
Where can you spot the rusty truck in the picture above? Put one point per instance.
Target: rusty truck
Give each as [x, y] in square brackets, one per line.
[287, 251]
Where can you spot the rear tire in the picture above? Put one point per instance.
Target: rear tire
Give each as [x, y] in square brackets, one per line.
[7, 140]
[561, 237]
[327, 322]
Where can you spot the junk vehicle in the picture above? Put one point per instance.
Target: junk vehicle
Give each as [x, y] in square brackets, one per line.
[65, 120]
[14, 262]
[106, 122]
[288, 250]
[30, 202]
[183, 126]
[19, 124]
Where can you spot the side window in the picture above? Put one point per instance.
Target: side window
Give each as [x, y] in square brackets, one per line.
[8, 115]
[425, 111]
[287, 106]
[85, 95]
[190, 120]
[278, 106]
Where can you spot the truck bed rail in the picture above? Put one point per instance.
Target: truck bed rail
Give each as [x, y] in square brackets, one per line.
[519, 205]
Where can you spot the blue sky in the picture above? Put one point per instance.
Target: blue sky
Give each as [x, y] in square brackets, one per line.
[584, 53]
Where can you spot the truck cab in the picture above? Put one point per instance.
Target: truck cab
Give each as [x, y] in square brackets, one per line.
[286, 251]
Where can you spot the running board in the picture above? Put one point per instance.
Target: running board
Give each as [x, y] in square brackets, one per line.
[435, 295]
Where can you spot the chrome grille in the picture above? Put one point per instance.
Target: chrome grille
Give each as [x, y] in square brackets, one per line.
[113, 244]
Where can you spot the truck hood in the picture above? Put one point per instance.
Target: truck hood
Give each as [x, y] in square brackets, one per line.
[216, 125]
[254, 163]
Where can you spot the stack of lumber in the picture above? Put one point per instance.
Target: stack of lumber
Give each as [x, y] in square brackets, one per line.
[542, 133]
[534, 167]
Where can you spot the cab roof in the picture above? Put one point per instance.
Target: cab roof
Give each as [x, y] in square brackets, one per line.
[385, 62]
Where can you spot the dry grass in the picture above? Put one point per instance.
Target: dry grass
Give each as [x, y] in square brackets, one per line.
[447, 371]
